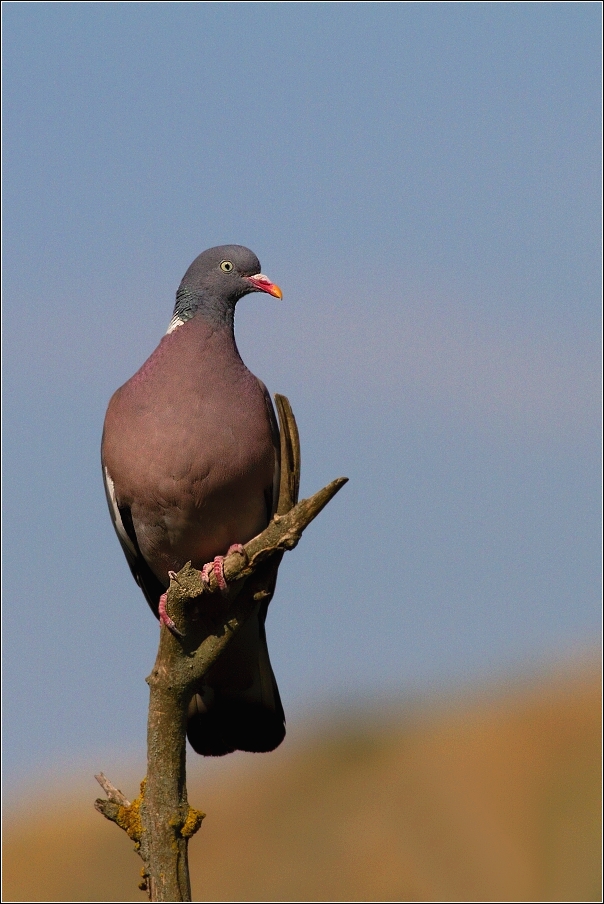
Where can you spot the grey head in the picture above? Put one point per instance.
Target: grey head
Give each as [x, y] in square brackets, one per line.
[215, 282]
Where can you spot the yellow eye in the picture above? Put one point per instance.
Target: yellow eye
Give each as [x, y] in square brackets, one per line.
[226, 266]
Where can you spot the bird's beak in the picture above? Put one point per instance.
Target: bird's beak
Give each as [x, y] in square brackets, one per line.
[263, 284]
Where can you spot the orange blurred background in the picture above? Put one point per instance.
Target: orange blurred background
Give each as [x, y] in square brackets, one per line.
[491, 795]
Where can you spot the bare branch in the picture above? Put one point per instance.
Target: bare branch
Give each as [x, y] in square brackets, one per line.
[113, 793]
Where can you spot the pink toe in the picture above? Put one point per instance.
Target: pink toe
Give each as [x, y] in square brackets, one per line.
[218, 565]
[165, 618]
[205, 573]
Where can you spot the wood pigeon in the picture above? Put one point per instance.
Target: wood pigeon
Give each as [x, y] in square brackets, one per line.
[190, 457]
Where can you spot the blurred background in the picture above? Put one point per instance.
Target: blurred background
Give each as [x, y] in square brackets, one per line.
[423, 182]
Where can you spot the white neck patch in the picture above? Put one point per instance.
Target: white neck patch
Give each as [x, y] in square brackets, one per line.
[174, 323]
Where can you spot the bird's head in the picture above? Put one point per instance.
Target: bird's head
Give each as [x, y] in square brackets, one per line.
[215, 282]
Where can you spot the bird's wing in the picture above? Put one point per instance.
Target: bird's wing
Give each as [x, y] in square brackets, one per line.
[121, 517]
[273, 492]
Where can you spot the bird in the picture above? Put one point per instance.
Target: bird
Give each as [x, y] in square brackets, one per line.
[191, 466]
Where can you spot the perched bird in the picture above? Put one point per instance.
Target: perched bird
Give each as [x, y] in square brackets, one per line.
[190, 457]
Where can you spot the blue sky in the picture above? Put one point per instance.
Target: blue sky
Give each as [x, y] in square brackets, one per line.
[423, 182]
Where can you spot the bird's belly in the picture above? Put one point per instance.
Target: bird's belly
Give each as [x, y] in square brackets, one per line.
[197, 519]
[199, 534]
[194, 469]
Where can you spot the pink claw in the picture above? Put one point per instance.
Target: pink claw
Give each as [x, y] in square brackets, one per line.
[205, 573]
[217, 567]
[165, 618]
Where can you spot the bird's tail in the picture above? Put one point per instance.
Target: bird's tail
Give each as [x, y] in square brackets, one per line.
[238, 705]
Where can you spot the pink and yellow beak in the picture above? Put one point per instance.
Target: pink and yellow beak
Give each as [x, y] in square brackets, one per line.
[263, 284]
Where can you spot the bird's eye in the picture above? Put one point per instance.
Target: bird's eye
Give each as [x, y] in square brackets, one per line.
[226, 266]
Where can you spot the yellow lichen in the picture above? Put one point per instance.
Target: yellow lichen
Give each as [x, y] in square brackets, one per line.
[129, 818]
[192, 823]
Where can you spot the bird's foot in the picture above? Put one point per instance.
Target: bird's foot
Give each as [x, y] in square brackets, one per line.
[217, 566]
[163, 612]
